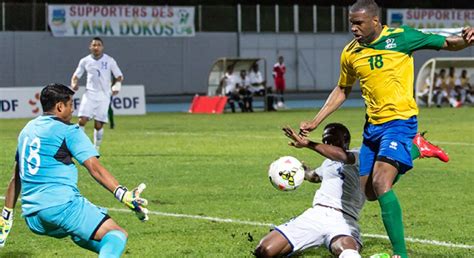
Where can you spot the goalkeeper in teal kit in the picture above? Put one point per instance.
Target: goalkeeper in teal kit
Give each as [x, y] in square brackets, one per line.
[47, 177]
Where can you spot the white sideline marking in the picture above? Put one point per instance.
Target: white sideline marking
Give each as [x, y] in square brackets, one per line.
[253, 223]
[278, 137]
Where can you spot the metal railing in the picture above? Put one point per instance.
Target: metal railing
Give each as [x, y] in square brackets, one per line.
[210, 18]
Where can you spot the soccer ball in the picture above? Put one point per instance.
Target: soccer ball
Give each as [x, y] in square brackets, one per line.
[286, 173]
[280, 104]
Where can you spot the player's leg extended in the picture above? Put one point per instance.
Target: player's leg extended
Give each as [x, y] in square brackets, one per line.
[85, 111]
[424, 149]
[109, 240]
[112, 239]
[98, 133]
[273, 244]
[82, 122]
[383, 176]
[345, 247]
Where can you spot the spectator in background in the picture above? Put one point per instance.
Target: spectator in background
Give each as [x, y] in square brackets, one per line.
[464, 89]
[256, 81]
[279, 70]
[228, 83]
[259, 87]
[445, 88]
[244, 88]
[423, 93]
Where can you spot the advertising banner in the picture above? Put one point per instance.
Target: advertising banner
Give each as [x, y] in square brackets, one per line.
[430, 18]
[120, 21]
[20, 102]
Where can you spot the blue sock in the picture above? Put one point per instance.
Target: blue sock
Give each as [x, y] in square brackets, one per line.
[112, 244]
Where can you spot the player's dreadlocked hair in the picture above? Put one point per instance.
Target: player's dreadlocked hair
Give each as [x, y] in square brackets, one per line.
[370, 6]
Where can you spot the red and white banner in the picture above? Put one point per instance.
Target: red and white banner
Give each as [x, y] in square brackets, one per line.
[120, 21]
[431, 18]
[20, 102]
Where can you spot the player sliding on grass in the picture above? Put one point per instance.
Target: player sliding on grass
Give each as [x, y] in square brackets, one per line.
[381, 58]
[47, 177]
[333, 218]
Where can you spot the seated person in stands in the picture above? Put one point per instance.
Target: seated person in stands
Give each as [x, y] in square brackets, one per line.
[244, 88]
[464, 89]
[259, 87]
[444, 88]
[256, 80]
[228, 83]
[424, 90]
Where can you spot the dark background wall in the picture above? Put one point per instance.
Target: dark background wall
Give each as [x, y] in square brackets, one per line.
[163, 65]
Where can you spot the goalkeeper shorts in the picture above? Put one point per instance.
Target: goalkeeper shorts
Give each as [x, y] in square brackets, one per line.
[79, 218]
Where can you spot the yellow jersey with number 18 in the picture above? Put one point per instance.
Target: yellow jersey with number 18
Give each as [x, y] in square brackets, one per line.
[385, 70]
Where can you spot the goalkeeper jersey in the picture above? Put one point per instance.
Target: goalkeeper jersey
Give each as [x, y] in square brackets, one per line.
[46, 146]
[385, 70]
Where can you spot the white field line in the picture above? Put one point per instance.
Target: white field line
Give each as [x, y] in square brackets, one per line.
[262, 224]
[253, 136]
[254, 223]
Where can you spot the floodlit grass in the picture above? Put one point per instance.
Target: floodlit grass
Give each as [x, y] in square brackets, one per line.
[216, 166]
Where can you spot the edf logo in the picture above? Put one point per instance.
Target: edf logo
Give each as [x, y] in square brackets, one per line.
[9, 104]
[125, 102]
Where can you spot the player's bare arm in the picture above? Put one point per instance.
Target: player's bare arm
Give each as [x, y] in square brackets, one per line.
[74, 83]
[11, 197]
[331, 152]
[131, 198]
[13, 190]
[101, 174]
[454, 43]
[333, 102]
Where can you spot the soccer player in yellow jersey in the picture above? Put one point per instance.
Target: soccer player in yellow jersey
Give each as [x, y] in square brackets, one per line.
[381, 58]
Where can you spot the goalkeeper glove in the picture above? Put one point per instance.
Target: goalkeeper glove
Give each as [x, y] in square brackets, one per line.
[132, 200]
[6, 223]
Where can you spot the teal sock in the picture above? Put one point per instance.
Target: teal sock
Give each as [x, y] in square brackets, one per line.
[91, 245]
[392, 220]
[112, 244]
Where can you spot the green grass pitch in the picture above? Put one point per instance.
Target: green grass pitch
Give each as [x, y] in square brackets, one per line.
[216, 166]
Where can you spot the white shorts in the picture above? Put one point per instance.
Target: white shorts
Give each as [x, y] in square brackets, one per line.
[97, 109]
[317, 226]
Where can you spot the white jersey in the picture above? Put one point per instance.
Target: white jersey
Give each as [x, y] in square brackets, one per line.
[99, 75]
[243, 82]
[229, 82]
[340, 186]
[255, 77]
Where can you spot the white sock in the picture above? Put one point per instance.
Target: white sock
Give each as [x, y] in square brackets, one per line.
[82, 127]
[98, 137]
[350, 253]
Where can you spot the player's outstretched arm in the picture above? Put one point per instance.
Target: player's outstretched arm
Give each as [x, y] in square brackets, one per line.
[11, 197]
[331, 152]
[455, 43]
[131, 198]
[333, 102]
